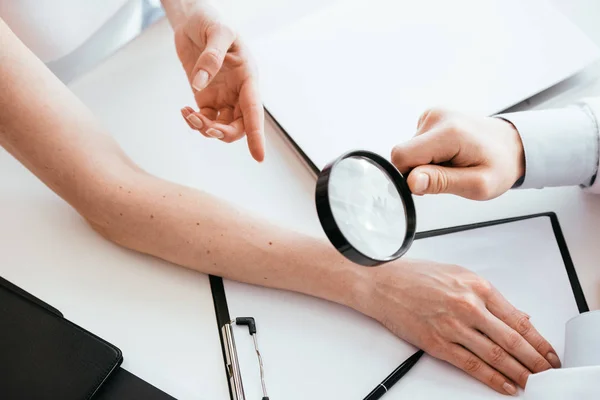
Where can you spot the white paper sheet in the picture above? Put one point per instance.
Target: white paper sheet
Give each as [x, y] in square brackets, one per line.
[312, 348]
[357, 74]
[582, 342]
[579, 383]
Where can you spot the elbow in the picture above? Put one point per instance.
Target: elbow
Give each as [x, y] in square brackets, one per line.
[111, 205]
[103, 230]
[103, 221]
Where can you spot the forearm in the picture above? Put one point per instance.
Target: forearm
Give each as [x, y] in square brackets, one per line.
[54, 135]
[198, 231]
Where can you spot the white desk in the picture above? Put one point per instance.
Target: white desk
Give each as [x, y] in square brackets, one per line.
[152, 310]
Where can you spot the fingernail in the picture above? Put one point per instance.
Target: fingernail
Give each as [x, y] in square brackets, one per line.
[215, 133]
[194, 120]
[421, 183]
[200, 80]
[510, 389]
[553, 360]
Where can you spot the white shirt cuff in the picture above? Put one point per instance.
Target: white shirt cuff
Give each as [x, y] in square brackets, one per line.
[561, 146]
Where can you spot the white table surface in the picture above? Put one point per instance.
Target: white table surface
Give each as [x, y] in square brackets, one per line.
[154, 311]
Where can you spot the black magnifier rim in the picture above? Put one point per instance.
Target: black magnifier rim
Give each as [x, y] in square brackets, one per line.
[333, 232]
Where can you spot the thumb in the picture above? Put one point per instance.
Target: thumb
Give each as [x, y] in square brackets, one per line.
[434, 179]
[211, 59]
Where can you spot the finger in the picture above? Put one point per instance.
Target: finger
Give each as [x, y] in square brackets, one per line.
[185, 112]
[433, 147]
[474, 366]
[520, 323]
[209, 113]
[496, 357]
[230, 132]
[226, 132]
[225, 116]
[209, 127]
[198, 122]
[514, 344]
[195, 120]
[469, 182]
[254, 119]
[209, 62]
[430, 118]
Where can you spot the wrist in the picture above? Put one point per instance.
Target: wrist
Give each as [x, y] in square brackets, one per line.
[177, 11]
[363, 286]
[516, 150]
[330, 276]
[350, 282]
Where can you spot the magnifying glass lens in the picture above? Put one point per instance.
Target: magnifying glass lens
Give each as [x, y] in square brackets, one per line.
[366, 208]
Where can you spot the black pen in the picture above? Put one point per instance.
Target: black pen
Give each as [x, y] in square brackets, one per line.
[394, 377]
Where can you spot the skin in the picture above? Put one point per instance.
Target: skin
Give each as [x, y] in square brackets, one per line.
[447, 311]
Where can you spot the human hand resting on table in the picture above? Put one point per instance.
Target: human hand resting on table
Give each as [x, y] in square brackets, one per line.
[222, 76]
[474, 157]
[459, 317]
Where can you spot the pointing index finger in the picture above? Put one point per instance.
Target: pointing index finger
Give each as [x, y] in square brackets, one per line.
[254, 119]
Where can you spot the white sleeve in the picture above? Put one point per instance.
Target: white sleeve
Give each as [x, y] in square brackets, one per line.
[561, 146]
[568, 383]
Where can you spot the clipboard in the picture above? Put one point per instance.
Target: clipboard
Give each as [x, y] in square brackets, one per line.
[121, 383]
[230, 353]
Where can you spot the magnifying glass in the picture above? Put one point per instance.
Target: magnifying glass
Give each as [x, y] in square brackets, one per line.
[367, 212]
[366, 208]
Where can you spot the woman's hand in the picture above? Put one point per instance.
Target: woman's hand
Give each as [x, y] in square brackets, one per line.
[474, 157]
[222, 77]
[457, 316]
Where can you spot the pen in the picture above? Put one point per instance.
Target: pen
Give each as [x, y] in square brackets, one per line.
[394, 377]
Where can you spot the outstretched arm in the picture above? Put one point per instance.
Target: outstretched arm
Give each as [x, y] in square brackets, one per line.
[56, 137]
